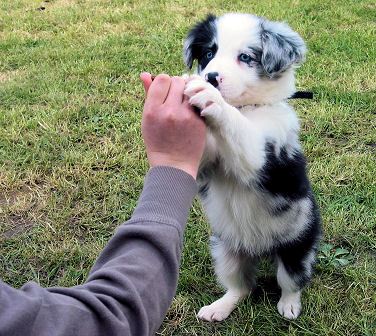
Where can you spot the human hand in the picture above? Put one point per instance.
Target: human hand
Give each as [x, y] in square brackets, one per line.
[173, 133]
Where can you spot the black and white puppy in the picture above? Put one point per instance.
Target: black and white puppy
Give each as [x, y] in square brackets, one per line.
[253, 181]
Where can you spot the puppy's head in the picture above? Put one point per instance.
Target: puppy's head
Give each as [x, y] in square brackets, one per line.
[250, 60]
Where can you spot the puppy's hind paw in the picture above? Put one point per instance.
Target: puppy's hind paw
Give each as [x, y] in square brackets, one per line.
[289, 307]
[212, 313]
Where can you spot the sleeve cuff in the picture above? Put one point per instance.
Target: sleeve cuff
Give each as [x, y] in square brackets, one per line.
[167, 195]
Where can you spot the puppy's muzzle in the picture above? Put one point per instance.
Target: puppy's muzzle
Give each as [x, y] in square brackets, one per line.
[212, 78]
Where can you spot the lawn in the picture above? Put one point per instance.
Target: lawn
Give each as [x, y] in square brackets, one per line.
[72, 160]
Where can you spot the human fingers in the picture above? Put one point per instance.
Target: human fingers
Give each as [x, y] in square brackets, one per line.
[175, 94]
[146, 79]
[158, 89]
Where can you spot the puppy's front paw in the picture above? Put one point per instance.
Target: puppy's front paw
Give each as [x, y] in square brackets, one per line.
[212, 111]
[188, 77]
[203, 95]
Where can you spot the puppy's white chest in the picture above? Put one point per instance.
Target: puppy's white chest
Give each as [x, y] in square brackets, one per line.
[240, 216]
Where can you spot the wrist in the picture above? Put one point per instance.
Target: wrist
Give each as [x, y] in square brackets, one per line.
[186, 167]
[167, 192]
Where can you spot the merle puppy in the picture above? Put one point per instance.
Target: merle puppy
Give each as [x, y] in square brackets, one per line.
[253, 180]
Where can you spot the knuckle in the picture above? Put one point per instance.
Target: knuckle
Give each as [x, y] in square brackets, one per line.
[148, 115]
[187, 117]
[152, 112]
[171, 120]
[169, 114]
[162, 78]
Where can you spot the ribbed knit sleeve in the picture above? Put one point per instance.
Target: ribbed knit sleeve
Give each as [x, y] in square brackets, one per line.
[166, 201]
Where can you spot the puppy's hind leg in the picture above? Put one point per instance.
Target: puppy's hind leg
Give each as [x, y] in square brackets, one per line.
[289, 305]
[294, 272]
[235, 271]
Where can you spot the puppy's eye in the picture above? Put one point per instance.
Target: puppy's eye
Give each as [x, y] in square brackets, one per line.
[209, 54]
[245, 58]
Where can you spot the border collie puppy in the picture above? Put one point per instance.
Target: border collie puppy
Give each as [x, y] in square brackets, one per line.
[253, 182]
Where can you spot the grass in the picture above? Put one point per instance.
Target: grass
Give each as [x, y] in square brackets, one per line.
[72, 160]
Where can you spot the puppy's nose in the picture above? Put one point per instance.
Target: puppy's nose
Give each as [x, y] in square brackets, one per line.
[211, 77]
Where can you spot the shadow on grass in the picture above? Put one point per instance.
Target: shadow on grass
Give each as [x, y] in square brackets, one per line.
[267, 286]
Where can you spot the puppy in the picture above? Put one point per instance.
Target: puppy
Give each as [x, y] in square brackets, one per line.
[252, 180]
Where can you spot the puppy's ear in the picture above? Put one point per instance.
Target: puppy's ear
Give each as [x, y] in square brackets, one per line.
[281, 48]
[200, 36]
[187, 51]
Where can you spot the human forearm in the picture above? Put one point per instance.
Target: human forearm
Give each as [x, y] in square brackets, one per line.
[132, 283]
[149, 248]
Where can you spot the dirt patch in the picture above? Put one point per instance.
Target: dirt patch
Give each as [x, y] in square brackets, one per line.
[12, 197]
[8, 75]
[14, 206]
[17, 225]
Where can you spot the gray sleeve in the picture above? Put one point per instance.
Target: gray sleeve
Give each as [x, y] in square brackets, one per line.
[131, 285]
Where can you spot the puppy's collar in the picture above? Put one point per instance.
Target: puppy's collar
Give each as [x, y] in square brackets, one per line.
[296, 95]
[302, 95]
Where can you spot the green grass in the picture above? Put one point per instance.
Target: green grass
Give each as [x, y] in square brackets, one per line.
[72, 160]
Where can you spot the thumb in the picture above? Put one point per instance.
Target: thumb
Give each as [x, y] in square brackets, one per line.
[146, 80]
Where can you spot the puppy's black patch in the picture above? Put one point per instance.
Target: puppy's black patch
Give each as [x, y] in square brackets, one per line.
[203, 190]
[200, 41]
[284, 175]
[204, 176]
[293, 254]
